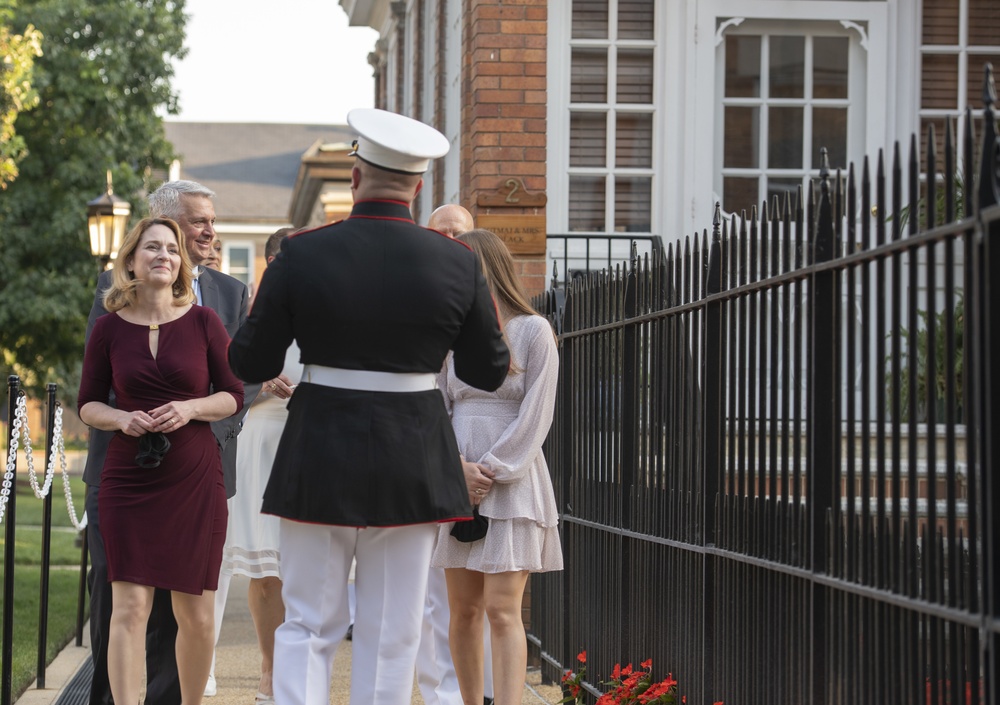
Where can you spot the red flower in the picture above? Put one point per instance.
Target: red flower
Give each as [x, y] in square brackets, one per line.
[627, 686]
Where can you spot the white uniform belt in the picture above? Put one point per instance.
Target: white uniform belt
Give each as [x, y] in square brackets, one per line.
[369, 380]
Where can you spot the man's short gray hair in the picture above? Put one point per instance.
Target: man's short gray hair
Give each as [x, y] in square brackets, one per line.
[165, 202]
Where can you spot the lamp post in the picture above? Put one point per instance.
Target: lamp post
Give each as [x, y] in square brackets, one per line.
[107, 217]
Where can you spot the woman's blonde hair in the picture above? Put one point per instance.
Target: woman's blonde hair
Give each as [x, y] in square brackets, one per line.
[123, 282]
[498, 268]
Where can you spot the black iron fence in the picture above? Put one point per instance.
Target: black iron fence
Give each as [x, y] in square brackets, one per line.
[17, 422]
[575, 256]
[774, 448]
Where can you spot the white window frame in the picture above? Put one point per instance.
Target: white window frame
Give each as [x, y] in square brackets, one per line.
[857, 76]
[453, 101]
[228, 246]
[409, 65]
[961, 50]
[704, 90]
[426, 94]
[558, 113]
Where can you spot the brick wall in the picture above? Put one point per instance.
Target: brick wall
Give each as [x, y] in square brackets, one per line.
[503, 113]
[532, 271]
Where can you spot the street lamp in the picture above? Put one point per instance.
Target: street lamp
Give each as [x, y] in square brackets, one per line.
[107, 216]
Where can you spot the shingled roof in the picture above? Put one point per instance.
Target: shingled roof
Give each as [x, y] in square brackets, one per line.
[250, 166]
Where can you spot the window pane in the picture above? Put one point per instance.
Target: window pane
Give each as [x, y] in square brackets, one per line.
[590, 19]
[976, 76]
[740, 148]
[830, 131]
[634, 141]
[784, 148]
[589, 83]
[783, 188]
[939, 82]
[830, 67]
[984, 24]
[787, 65]
[941, 21]
[635, 19]
[239, 263]
[239, 258]
[586, 203]
[635, 77]
[633, 195]
[742, 67]
[588, 139]
[739, 194]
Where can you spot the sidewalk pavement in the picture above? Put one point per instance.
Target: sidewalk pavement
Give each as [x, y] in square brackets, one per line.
[237, 666]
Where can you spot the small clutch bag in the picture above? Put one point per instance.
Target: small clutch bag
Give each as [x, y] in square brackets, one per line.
[152, 448]
[469, 531]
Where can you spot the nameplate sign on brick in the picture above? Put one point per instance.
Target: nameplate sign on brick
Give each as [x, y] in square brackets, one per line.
[523, 234]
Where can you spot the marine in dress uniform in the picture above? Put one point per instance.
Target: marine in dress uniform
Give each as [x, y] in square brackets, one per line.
[367, 465]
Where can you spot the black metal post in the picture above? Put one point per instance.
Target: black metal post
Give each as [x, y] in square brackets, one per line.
[43, 583]
[567, 373]
[6, 680]
[714, 375]
[824, 431]
[81, 599]
[630, 426]
[988, 303]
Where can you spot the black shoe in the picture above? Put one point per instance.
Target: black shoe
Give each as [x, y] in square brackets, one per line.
[350, 633]
[487, 701]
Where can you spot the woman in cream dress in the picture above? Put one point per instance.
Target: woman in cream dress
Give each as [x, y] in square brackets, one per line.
[500, 436]
[252, 538]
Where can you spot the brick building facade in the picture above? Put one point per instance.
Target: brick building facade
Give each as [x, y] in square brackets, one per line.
[624, 118]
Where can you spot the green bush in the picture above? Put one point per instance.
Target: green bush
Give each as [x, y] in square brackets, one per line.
[926, 379]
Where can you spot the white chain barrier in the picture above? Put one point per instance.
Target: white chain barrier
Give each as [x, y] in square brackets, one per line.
[57, 447]
[20, 418]
[44, 490]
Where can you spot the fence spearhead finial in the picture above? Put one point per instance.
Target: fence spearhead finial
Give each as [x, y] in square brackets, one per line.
[989, 169]
[989, 87]
[824, 168]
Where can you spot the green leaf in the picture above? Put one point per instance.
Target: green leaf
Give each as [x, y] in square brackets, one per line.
[103, 83]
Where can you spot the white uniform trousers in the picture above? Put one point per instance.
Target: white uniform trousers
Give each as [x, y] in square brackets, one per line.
[435, 669]
[390, 579]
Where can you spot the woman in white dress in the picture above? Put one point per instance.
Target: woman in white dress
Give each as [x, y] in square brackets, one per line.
[500, 436]
[252, 538]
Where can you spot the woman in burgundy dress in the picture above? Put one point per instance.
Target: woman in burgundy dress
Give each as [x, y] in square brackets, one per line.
[164, 524]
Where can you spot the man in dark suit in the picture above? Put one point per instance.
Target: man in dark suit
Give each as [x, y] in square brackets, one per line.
[367, 466]
[190, 204]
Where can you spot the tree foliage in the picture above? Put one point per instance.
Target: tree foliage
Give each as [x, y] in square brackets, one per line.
[103, 81]
[18, 52]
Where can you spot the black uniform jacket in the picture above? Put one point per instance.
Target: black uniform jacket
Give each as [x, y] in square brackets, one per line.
[373, 292]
